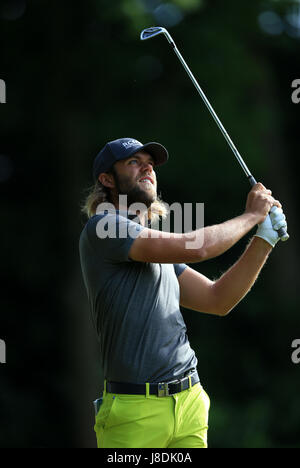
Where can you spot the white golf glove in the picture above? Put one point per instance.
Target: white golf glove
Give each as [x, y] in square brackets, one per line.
[267, 230]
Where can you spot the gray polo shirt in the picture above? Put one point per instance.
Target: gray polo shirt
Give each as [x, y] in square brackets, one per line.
[134, 305]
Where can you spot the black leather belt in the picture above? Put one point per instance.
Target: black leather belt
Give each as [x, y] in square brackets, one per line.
[160, 389]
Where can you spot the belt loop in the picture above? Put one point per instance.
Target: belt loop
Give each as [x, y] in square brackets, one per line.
[190, 383]
[104, 391]
[147, 389]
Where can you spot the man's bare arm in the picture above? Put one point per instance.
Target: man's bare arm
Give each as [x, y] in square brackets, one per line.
[219, 297]
[161, 247]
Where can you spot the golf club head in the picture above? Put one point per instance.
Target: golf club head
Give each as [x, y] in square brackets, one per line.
[151, 32]
[155, 31]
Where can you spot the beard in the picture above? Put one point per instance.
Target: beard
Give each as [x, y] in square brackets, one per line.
[135, 194]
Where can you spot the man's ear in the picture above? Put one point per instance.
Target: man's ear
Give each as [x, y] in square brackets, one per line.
[107, 180]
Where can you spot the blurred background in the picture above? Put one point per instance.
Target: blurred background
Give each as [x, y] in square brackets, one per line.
[77, 76]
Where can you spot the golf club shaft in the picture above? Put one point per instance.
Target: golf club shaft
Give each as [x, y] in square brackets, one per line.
[281, 232]
[214, 115]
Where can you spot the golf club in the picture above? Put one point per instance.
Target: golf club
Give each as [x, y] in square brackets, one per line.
[155, 31]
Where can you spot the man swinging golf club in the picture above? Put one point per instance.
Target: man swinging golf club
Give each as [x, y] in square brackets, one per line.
[136, 283]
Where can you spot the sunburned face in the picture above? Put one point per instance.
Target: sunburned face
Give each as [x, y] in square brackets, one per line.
[136, 178]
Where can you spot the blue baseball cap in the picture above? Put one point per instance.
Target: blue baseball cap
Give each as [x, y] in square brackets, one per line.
[124, 148]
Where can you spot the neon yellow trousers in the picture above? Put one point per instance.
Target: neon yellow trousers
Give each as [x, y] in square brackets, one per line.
[148, 421]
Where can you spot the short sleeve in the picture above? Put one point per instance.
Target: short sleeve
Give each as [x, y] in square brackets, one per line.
[112, 236]
[179, 268]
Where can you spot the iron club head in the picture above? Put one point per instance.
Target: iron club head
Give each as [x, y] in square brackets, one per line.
[155, 31]
[151, 32]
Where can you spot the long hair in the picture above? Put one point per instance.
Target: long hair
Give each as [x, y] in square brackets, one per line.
[98, 194]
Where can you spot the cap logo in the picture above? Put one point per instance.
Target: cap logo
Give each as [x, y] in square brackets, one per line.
[130, 143]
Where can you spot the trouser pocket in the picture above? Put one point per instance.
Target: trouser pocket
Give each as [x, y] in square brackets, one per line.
[104, 406]
[97, 404]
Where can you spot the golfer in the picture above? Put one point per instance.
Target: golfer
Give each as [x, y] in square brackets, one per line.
[138, 277]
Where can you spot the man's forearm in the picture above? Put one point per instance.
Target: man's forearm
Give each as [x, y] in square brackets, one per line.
[219, 238]
[238, 280]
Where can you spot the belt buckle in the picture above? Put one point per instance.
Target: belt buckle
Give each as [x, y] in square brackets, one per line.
[163, 389]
